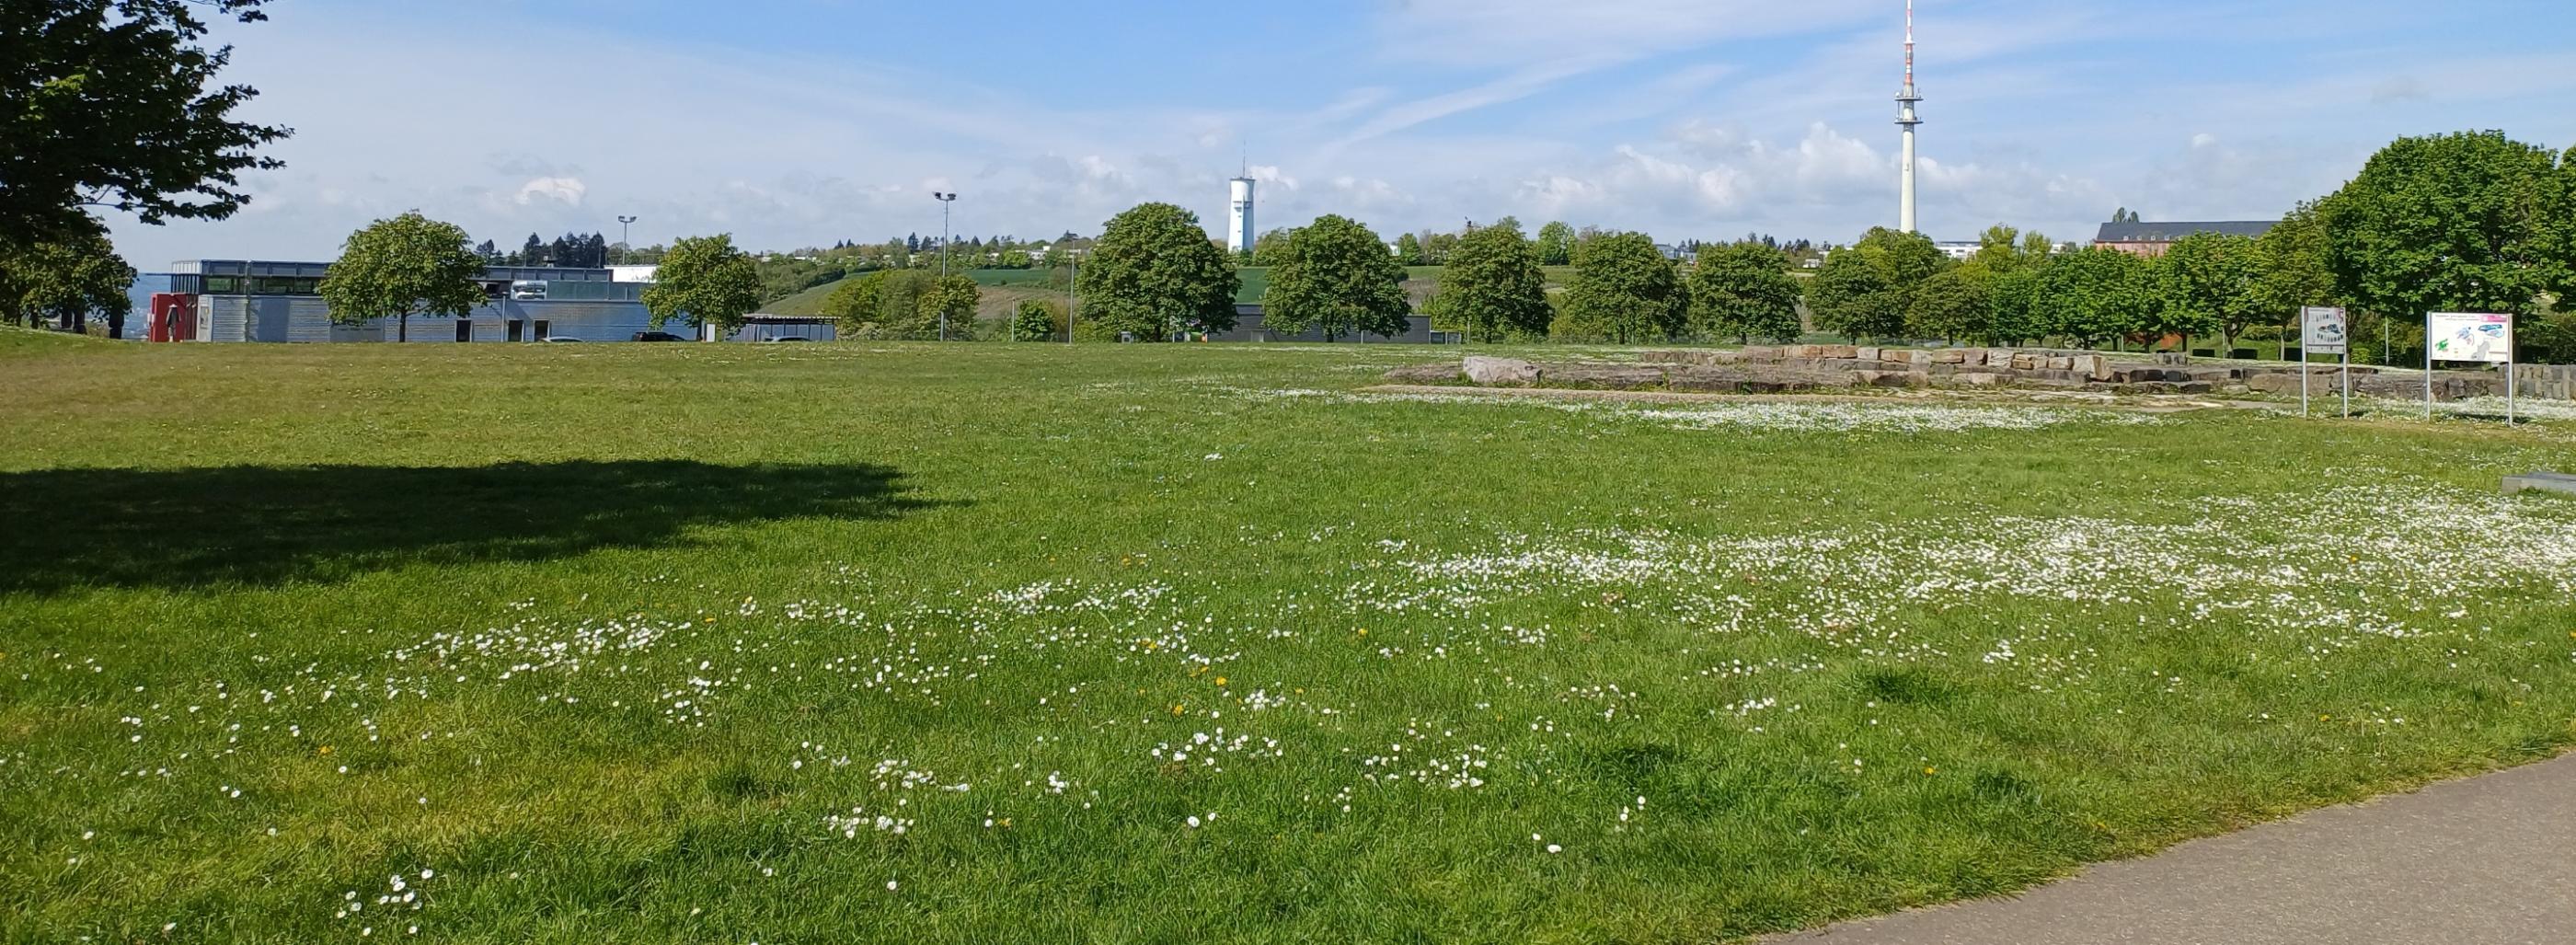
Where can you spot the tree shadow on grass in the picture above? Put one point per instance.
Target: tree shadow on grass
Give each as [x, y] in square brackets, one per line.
[62, 529]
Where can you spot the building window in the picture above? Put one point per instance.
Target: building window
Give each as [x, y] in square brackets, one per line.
[541, 330]
[222, 285]
[465, 329]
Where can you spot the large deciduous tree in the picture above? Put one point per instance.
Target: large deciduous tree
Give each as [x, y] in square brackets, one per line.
[2468, 221]
[1744, 291]
[1850, 298]
[2211, 282]
[64, 281]
[1625, 290]
[1903, 260]
[408, 265]
[1153, 274]
[1954, 303]
[2097, 294]
[1493, 288]
[105, 104]
[2290, 264]
[1555, 244]
[1336, 275]
[706, 280]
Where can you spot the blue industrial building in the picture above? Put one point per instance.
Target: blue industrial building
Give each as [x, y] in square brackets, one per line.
[245, 300]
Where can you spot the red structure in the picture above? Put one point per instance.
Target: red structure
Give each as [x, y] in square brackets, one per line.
[174, 317]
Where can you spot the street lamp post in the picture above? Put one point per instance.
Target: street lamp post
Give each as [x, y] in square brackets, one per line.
[1072, 291]
[624, 247]
[945, 200]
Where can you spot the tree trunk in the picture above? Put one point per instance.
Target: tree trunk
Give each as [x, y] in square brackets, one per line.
[402, 327]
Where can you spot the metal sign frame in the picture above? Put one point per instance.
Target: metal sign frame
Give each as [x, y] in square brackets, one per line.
[2509, 357]
[2311, 318]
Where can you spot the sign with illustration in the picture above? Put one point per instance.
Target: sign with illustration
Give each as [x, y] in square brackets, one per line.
[2322, 330]
[2466, 336]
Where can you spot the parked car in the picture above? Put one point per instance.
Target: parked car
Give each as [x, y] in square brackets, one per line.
[785, 338]
[657, 336]
[561, 338]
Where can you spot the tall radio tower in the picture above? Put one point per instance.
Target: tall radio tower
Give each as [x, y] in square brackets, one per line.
[1906, 119]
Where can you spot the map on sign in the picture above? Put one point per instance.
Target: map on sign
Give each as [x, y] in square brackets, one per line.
[2465, 336]
[2322, 330]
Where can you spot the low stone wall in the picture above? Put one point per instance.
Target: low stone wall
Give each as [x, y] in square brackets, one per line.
[1790, 368]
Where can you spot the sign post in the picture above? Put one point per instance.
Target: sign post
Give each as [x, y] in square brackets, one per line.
[2467, 336]
[2322, 330]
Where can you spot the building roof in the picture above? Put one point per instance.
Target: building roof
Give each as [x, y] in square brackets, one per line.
[2169, 232]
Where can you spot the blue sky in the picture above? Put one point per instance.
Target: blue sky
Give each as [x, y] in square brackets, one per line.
[800, 122]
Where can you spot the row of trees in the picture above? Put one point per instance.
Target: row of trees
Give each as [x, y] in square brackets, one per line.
[412, 265]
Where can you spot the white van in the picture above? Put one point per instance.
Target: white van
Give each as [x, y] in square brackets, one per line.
[528, 290]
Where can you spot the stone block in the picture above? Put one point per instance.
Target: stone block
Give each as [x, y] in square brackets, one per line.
[1610, 376]
[1838, 351]
[2541, 481]
[1979, 379]
[1506, 372]
[1435, 373]
[2025, 362]
[2060, 363]
[1950, 356]
[1865, 353]
[1759, 354]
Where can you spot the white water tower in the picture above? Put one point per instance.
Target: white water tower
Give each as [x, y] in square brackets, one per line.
[1238, 221]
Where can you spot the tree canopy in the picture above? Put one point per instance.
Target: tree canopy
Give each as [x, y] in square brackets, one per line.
[1555, 244]
[1336, 275]
[707, 280]
[2097, 294]
[1153, 273]
[2469, 221]
[65, 281]
[1625, 290]
[1743, 291]
[2211, 281]
[408, 265]
[1493, 288]
[1952, 304]
[106, 104]
[1849, 297]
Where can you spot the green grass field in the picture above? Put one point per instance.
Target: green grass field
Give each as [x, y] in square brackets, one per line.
[922, 643]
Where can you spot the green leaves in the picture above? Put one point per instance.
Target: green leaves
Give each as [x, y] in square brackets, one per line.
[63, 280]
[707, 280]
[405, 266]
[2467, 221]
[1493, 287]
[1624, 290]
[2211, 282]
[1153, 273]
[1742, 291]
[1336, 275]
[1849, 297]
[108, 105]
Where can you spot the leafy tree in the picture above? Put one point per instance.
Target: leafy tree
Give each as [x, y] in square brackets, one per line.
[1624, 288]
[2210, 282]
[2096, 294]
[1408, 250]
[2002, 249]
[64, 281]
[856, 304]
[708, 281]
[1335, 274]
[1493, 288]
[105, 104]
[2467, 221]
[1270, 248]
[1743, 290]
[1954, 303]
[534, 253]
[1038, 320]
[2290, 265]
[1903, 260]
[1850, 298]
[1555, 244]
[405, 266]
[1153, 273]
[2012, 314]
[952, 300]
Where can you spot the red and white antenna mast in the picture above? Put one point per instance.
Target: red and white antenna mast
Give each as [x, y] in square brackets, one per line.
[1907, 119]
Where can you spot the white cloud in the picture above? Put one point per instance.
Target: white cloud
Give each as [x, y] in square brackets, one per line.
[563, 190]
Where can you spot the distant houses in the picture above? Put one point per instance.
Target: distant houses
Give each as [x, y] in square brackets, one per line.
[2151, 240]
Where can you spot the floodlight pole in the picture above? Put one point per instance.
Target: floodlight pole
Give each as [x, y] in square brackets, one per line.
[623, 246]
[1072, 291]
[945, 200]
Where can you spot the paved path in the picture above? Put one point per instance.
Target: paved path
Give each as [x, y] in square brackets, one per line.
[2487, 860]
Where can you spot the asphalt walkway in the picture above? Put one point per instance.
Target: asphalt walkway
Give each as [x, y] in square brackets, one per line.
[2488, 860]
